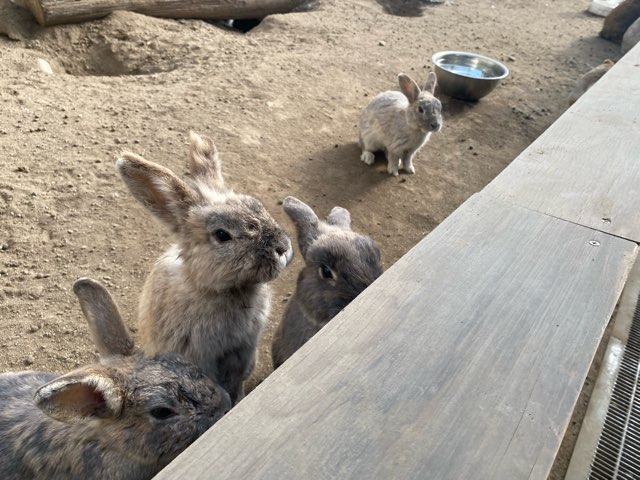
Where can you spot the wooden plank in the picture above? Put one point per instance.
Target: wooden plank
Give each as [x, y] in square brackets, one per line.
[462, 361]
[586, 167]
[53, 12]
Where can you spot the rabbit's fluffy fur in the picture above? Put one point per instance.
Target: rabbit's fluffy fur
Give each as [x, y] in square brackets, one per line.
[124, 418]
[587, 81]
[400, 123]
[619, 20]
[631, 37]
[207, 297]
[339, 264]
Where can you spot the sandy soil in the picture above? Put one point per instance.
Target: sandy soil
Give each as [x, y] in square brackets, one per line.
[282, 103]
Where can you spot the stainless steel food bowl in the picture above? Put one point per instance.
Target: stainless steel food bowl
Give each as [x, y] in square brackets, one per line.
[467, 76]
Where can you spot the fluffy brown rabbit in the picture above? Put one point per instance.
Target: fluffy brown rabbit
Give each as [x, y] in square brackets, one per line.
[207, 296]
[619, 20]
[339, 264]
[400, 123]
[124, 418]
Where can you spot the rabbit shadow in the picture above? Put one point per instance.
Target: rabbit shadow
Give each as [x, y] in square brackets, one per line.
[453, 107]
[337, 174]
[599, 49]
[404, 8]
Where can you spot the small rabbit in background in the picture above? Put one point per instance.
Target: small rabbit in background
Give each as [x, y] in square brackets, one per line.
[587, 81]
[339, 264]
[400, 123]
[207, 295]
[126, 417]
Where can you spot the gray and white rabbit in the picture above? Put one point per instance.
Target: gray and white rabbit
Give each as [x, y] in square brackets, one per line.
[400, 123]
[339, 264]
[207, 295]
[124, 418]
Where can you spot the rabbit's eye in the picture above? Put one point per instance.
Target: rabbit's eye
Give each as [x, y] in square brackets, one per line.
[222, 235]
[420, 110]
[162, 413]
[325, 272]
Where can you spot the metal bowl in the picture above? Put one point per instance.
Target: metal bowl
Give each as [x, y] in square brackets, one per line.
[467, 76]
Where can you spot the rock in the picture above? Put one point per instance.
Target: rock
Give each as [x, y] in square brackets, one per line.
[16, 22]
[382, 43]
[602, 7]
[44, 66]
[28, 360]
[631, 37]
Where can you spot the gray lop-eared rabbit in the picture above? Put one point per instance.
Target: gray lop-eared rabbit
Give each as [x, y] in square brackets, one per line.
[339, 264]
[126, 417]
[400, 123]
[206, 297]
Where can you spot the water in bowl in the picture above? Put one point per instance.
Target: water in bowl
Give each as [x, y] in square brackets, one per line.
[466, 70]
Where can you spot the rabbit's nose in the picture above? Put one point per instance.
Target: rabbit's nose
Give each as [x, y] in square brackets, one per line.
[285, 252]
[435, 125]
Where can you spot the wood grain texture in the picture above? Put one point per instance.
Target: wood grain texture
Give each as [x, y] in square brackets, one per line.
[463, 361]
[586, 167]
[53, 12]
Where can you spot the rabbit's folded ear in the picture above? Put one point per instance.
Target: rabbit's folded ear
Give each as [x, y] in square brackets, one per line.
[410, 88]
[339, 217]
[306, 221]
[205, 162]
[90, 392]
[110, 335]
[157, 188]
[431, 83]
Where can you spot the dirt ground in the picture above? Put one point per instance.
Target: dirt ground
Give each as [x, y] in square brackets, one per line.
[282, 104]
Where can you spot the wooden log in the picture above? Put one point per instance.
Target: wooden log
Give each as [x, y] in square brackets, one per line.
[53, 12]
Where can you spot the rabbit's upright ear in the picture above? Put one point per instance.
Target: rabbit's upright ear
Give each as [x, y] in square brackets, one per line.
[110, 334]
[306, 221]
[157, 188]
[90, 392]
[431, 83]
[410, 88]
[339, 217]
[205, 162]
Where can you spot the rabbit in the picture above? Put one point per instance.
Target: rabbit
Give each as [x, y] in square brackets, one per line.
[339, 264]
[207, 296]
[619, 20]
[123, 418]
[587, 81]
[631, 37]
[400, 123]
